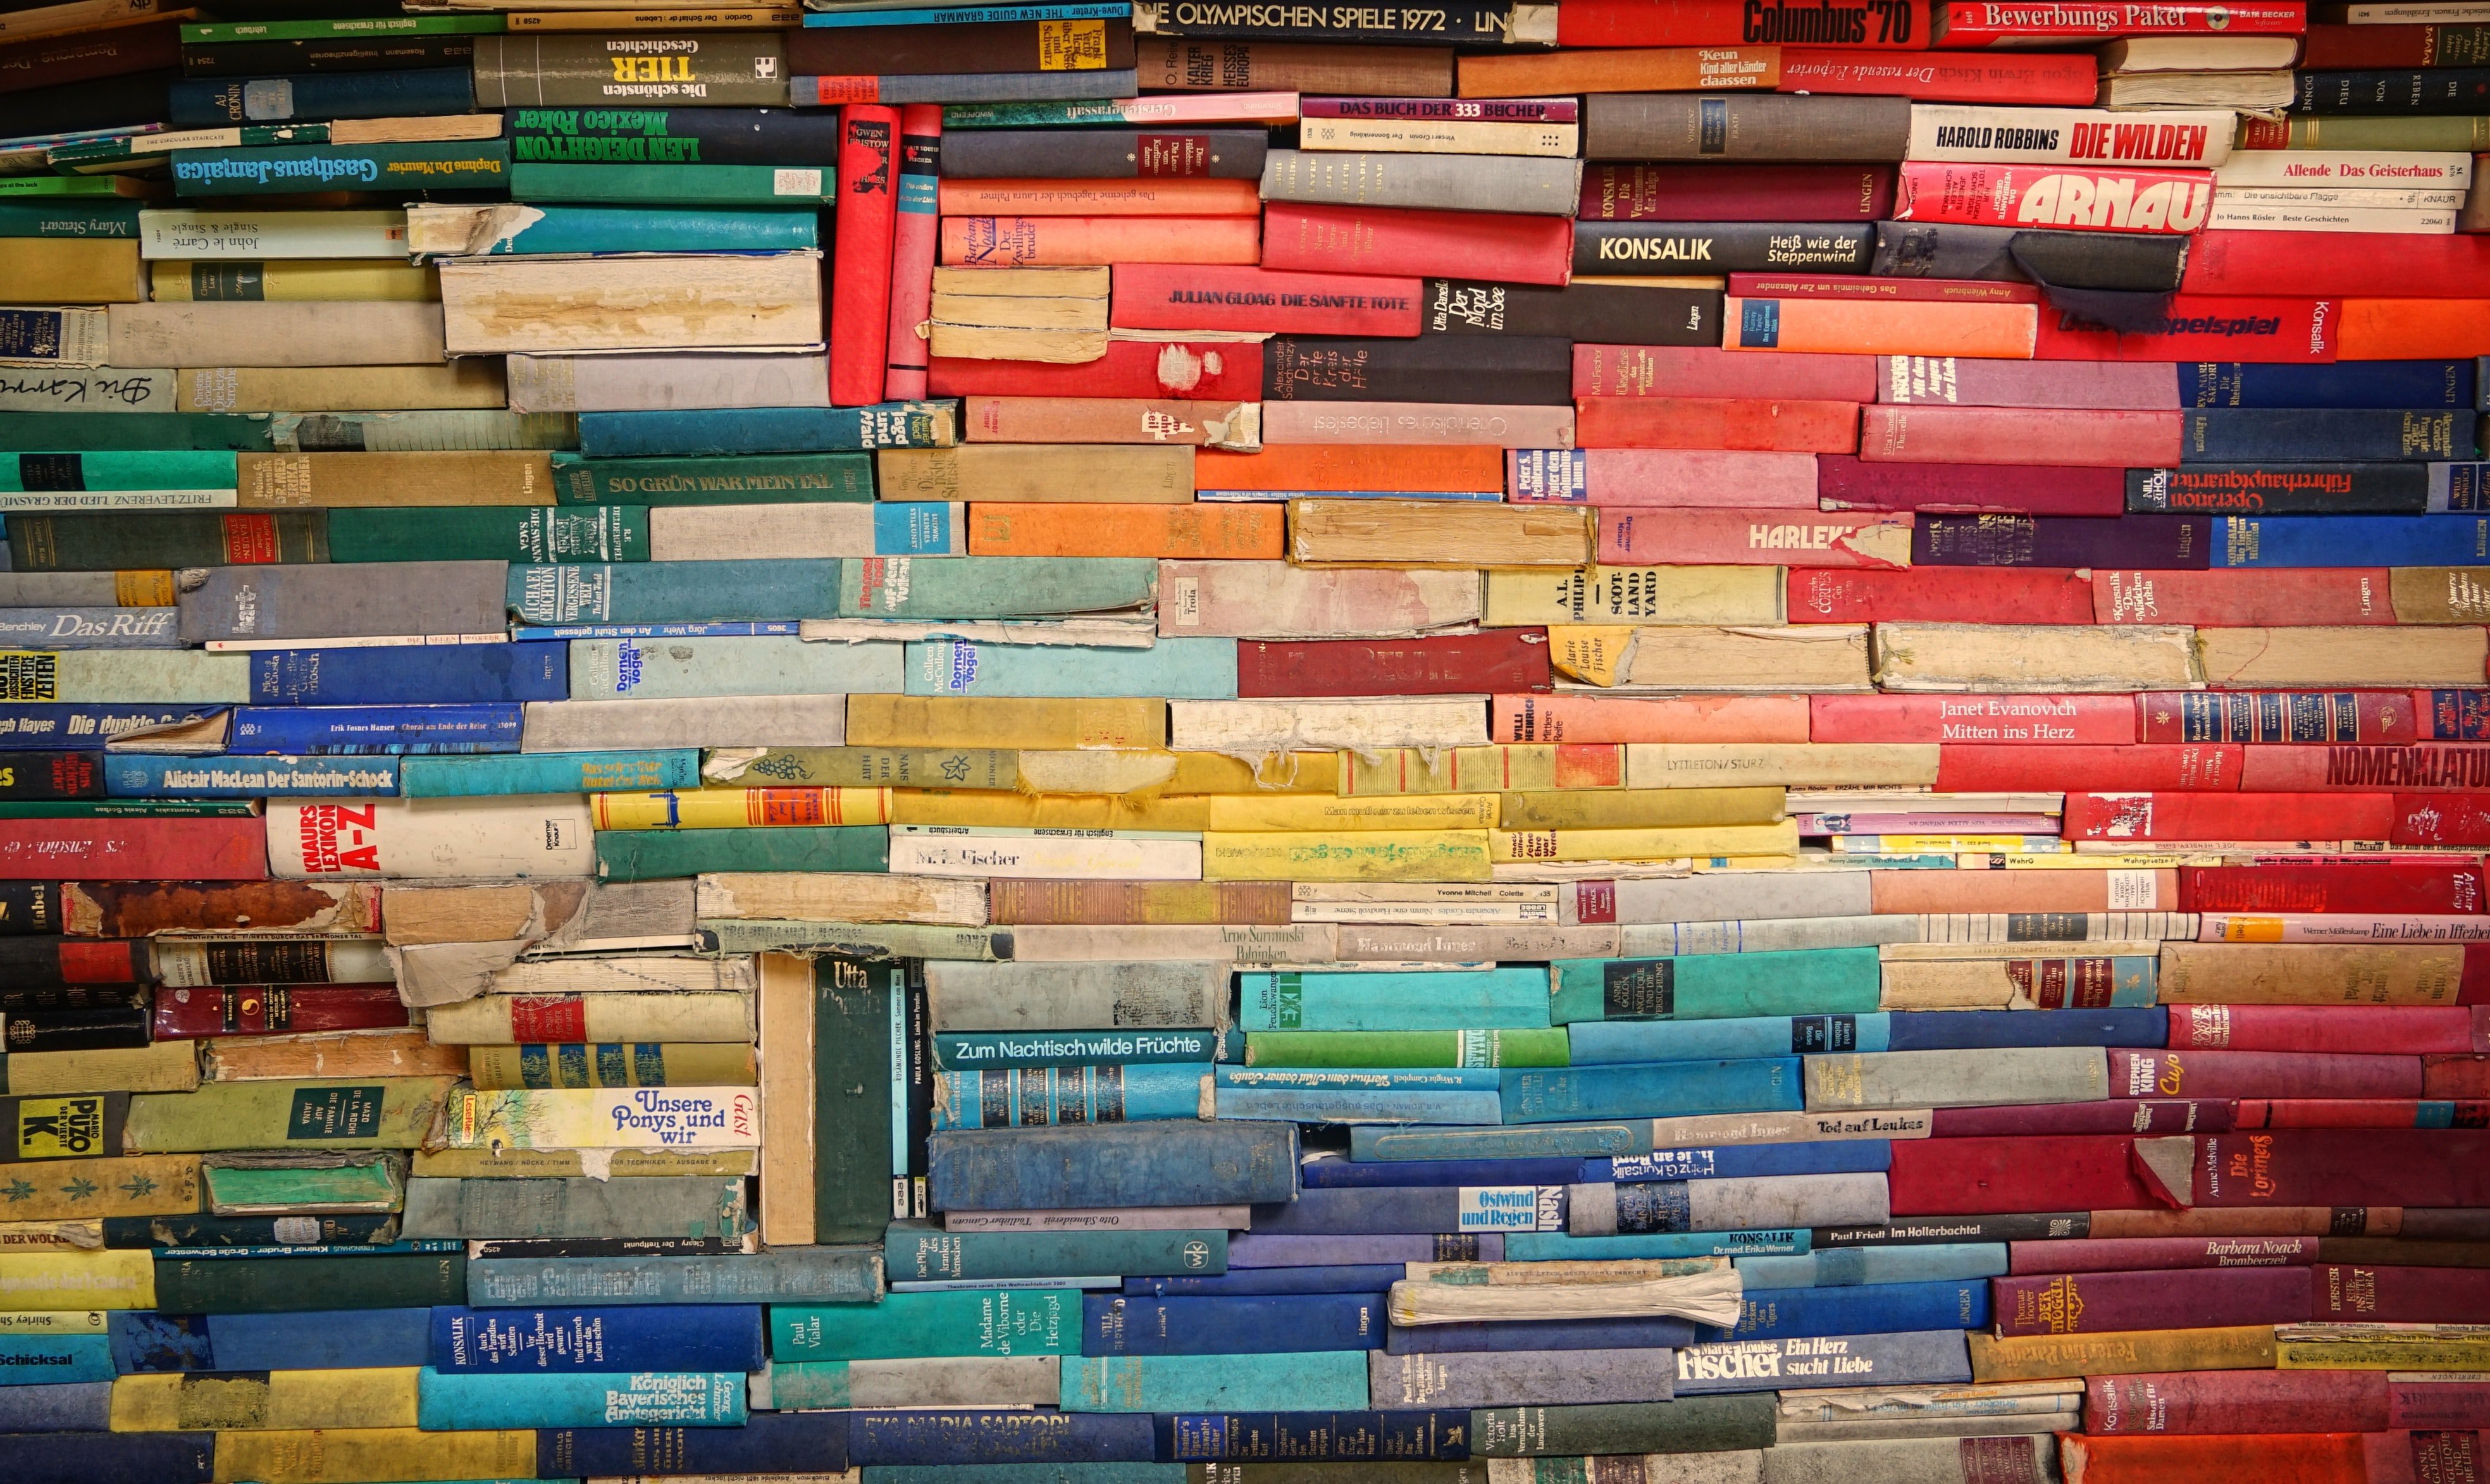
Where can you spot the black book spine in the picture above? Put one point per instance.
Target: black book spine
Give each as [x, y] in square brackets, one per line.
[1517, 370]
[919, 1054]
[279, 961]
[1662, 249]
[1596, 312]
[2346, 434]
[84, 1127]
[1913, 1231]
[672, 137]
[27, 907]
[2430, 90]
[32, 961]
[1105, 153]
[2095, 260]
[97, 1028]
[2131, 542]
[51, 775]
[15, 997]
[326, 54]
[345, 1230]
[1484, 25]
[134, 98]
[2258, 488]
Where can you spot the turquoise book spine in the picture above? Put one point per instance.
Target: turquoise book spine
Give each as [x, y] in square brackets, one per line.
[678, 669]
[755, 478]
[1718, 986]
[675, 591]
[1489, 998]
[1313, 1380]
[609, 230]
[997, 587]
[119, 468]
[1593, 1042]
[1552, 1094]
[1176, 669]
[547, 772]
[1564, 1247]
[155, 776]
[959, 1051]
[1009, 1097]
[59, 1359]
[454, 1401]
[811, 186]
[918, 1253]
[1382, 1106]
[444, 164]
[652, 855]
[959, 1322]
[1846, 1266]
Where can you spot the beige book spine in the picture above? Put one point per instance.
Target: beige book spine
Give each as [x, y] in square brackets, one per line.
[2439, 595]
[1276, 600]
[73, 270]
[2036, 657]
[474, 477]
[627, 974]
[1946, 986]
[2309, 974]
[821, 896]
[174, 281]
[495, 306]
[392, 1052]
[1436, 532]
[247, 333]
[2423, 654]
[510, 1164]
[1082, 473]
[1636, 595]
[1302, 943]
[456, 912]
[496, 1020]
[471, 384]
[785, 1016]
[166, 1067]
[1791, 765]
[1715, 660]
[1259, 727]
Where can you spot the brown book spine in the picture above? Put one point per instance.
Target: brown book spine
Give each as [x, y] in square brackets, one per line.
[137, 909]
[83, 56]
[1256, 903]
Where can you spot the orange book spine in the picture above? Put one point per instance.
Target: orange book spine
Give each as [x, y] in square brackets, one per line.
[1171, 197]
[2016, 891]
[1106, 420]
[1239, 531]
[1995, 332]
[1080, 242]
[1625, 70]
[1409, 469]
[2414, 328]
[1717, 423]
[2217, 1458]
[1582, 718]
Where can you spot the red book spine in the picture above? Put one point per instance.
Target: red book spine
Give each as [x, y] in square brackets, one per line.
[1892, 26]
[2138, 1254]
[2059, 79]
[2357, 1113]
[1512, 249]
[1968, 24]
[2024, 721]
[2398, 1030]
[2175, 1298]
[1771, 285]
[2201, 1402]
[2428, 889]
[1717, 423]
[2167, 1073]
[1505, 659]
[2457, 1077]
[1847, 483]
[2210, 325]
[1140, 370]
[2352, 1294]
[914, 233]
[2008, 767]
[1665, 370]
[2052, 198]
[2288, 597]
[2420, 766]
[2177, 816]
[2144, 1116]
[1616, 192]
[1680, 479]
[2303, 1458]
[2045, 435]
[860, 257]
[2330, 49]
[80, 960]
[1186, 296]
[2277, 715]
[2439, 819]
[2432, 1403]
[2020, 594]
[2453, 266]
[1630, 536]
[264, 1009]
[1970, 1177]
[134, 849]
[2344, 1167]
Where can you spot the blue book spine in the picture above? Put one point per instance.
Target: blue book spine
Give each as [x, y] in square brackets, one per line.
[335, 1341]
[115, 1458]
[155, 776]
[943, 1436]
[1198, 1382]
[2459, 486]
[84, 727]
[453, 1401]
[1772, 1314]
[1303, 1106]
[63, 1407]
[56, 1359]
[674, 591]
[1334, 1436]
[89, 628]
[767, 1442]
[1316, 1079]
[764, 430]
[1551, 1094]
[313, 730]
[1741, 1161]
[2321, 434]
[434, 674]
[724, 628]
[1914, 1359]
[918, 528]
[1014, 1097]
[621, 229]
[1850, 1267]
[1949, 1031]
[1250, 1249]
[1547, 476]
[1331, 1173]
[1543, 1335]
[1488, 999]
[1416, 1209]
[970, 14]
[1354, 1278]
[1119, 1324]
[2394, 384]
[1560, 1246]
[706, 1337]
[966, 1051]
[2351, 540]
[549, 773]
[1178, 669]
[1130, 1164]
[214, 102]
[1595, 1043]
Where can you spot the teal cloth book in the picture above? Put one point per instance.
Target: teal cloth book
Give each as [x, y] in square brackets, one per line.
[1565, 1247]
[444, 164]
[547, 772]
[119, 468]
[1010, 1098]
[1311, 1380]
[456, 1400]
[492, 532]
[609, 230]
[1176, 669]
[674, 591]
[997, 587]
[1714, 986]
[674, 669]
[1844, 1266]
[914, 1252]
[1554, 1095]
[1456, 1000]
[57, 1359]
[959, 1322]
[807, 186]
[752, 479]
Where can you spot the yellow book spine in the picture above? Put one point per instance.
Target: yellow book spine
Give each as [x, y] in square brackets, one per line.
[346, 279]
[358, 1455]
[115, 1278]
[1594, 654]
[143, 588]
[993, 721]
[90, 1190]
[740, 808]
[1316, 812]
[1412, 855]
[2120, 1352]
[1642, 808]
[69, 270]
[163, 1066]
[1049, 811]
[2396, 1355]
[54, 1322]
[1288, 773]
[1572, 845]
[1504, 767]
[276, 1399]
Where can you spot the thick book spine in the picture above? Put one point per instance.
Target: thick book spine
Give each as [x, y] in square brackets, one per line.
[1152, 1163]
[2089, 1303]
[860, 300]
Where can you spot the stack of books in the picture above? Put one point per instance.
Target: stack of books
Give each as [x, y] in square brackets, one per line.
[1121, 742]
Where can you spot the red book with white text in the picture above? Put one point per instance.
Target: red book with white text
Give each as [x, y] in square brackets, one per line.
[2348, 1293]
[2421, 766]
[1208, 370]
[2027, 594]
[1773, 285]
[1498, 660]
[915, 230]
[1961, 25]
[1187, 296]
[2054, 197]
[2142, 1254]
[2058, 79]
[1298, 236]
[2400, 1029]
[134, 849]
[1672, 371]
[2218, 1402]
[2211, 816]
[2053, 722]
[2212, 327]
[1845, 483]
[2453, 887]
[2438, 819]
[2340, 264]
[1632, 537]
[861, 254]
[2042, 435]
[2244, 599]
[2012, 767]
[1896, 24]
[1757, 193]
[1717, 422]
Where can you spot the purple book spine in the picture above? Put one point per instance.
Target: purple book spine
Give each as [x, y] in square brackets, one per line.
[2133, 1117]
[2143, 543]
[1844, 481]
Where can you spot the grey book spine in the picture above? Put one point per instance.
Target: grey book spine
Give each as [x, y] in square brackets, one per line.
[1693, 1425]
[1521, 1378]
[1764, 935]
[1455, 183]
[1921, 1357]
[965, 1381]
[65, 590]
[428, 431]
[1958, 1079]
[1125, 1164]
[846, 1274]
[652, 1205]
[1915, 1461]
[1078, 996]
[1745, 126]
[1886, 1429]
[1005, 88]
[67, 1407]
[1733, 895]
[343, 600]
[1751, 1202]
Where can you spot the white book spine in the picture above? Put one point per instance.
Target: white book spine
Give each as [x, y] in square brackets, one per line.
[1366, 725]
[2183, 139]
[704, 721]
[1046, 858]
[516, 836]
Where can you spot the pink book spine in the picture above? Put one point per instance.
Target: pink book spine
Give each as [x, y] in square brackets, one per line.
[1939, 595]
[2022, 721]
[1581, 718]
[1680, 479]
[2347, 1292]
[2179, 1299]
[2244, 599]
[2415, 1402]
[1986, 766]
[1847, 482]
[913, 241]
[1433, 424]
[1980, 435]
[2167, 1073]
[1632, 538]
[1672, 371]
[2135, 1254]
[1961, 381]
[2414, 1030]
[2199, 1402]
[2142, 1117]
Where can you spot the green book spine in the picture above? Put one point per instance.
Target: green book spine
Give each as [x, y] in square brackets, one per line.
[307, 1284]
[976, 768]
[375, 26]
[1695, 1424]
[1407, 1048]
[69, 218]
[652, 855]
[675, 184]
[380, 1113]
[490, 533]
[852, 1000]
[965, 1322]
[58, 186]
[96, 541]
[120, 469]
[761, 478]
[240, 432]
[451, 164]
[350, 1184]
